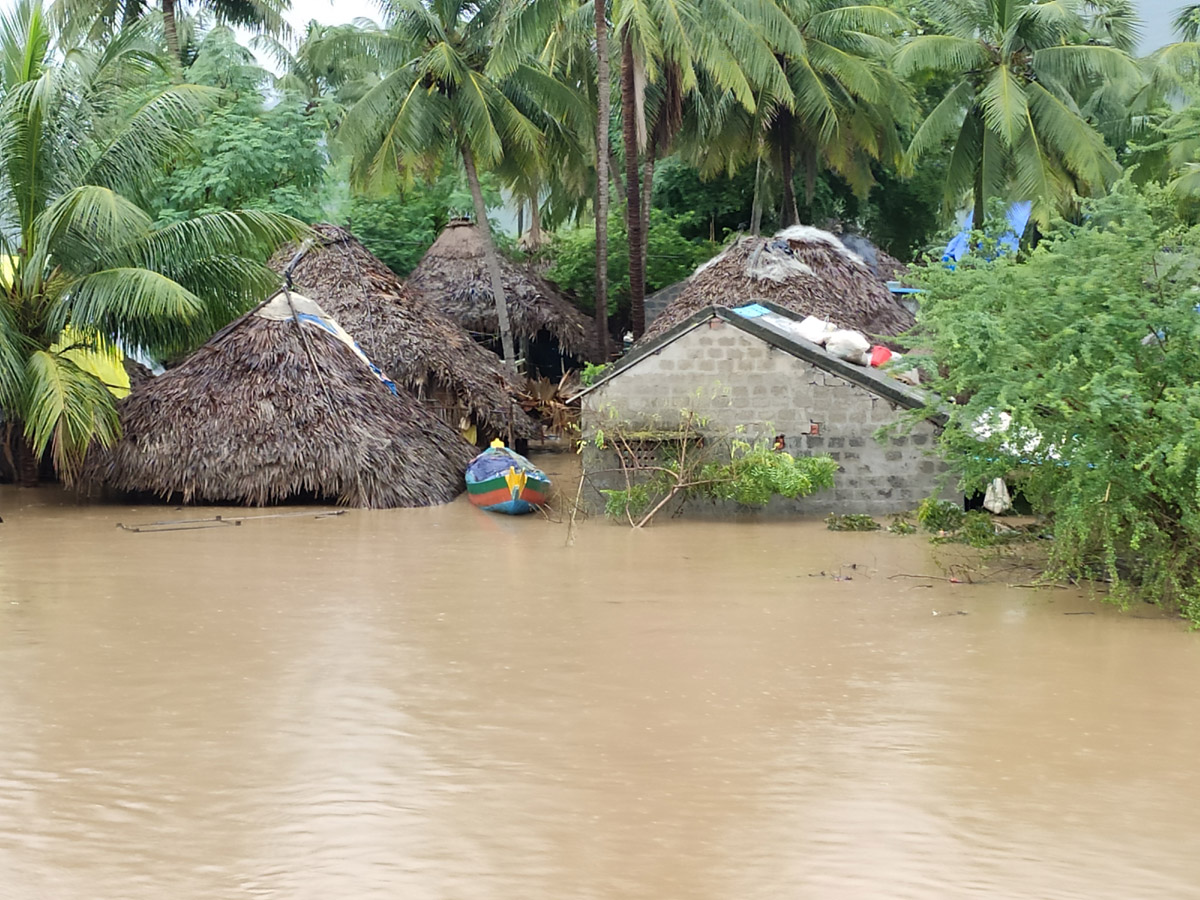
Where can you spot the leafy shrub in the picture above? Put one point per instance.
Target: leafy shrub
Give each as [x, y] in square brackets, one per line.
[593, 372]
[670, 257]
[939, 515]
[755, 473]
[689, 466]
[1082, 363]
[850, 522]
[400, 228]
[632, 502]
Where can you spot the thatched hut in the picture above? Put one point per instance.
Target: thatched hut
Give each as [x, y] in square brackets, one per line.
[882, 264]
[281, 404]
[421, 348]
[453, 276]
[802, 269]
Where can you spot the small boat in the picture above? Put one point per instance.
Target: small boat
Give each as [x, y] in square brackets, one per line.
[502, 480]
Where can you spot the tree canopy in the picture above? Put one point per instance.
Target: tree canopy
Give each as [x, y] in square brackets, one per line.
[85, 265]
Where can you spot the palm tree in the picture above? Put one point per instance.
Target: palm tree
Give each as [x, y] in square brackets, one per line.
[97, 20]
[603, 118]
[1187, 22]
[1012, 111]
[672, 43]
[317, 68]
[452, 69]
[84, 265]
[841, 112]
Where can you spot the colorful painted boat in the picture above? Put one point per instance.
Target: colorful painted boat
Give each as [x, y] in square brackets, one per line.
[502, 480]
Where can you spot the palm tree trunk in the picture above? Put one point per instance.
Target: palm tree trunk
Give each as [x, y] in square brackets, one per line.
[603, 97]
[977, 222]
[615, 171]
[791, 215]
[535, 224]
[168, 14]
[489, 252]
[633, 200]
[756, 206]
[647, 192]
[27, 464]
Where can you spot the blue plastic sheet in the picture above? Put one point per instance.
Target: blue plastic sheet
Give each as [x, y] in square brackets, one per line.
[752, 311]
[1017, 218]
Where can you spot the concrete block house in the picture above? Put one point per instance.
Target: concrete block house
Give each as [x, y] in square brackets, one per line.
[756, 372]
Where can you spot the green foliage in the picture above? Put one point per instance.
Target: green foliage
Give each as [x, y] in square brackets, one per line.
[593, 372]
[939, 515]
[1168, 153]
[670, 257]
[632, 502]
[1022, 70]
[978, 530]
[704, 207]
[901, 525]
[900, 214]
[83, 134]
[850, 522]
[401, 227]
[246, 154]
[1076, 376]
[691, 463]
[755, 473]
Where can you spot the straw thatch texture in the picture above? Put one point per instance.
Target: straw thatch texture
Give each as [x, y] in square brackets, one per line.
[271, 408]
[416, 345]
[138, 374]
[888, 268]
[802, 269]
[453, 276]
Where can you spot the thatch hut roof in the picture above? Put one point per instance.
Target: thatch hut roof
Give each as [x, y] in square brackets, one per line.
[803, 269]
[279, 404]
[453, 276]
[406, 336]
[882, 264]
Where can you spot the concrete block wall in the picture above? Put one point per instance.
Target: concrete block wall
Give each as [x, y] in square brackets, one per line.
[734, 379]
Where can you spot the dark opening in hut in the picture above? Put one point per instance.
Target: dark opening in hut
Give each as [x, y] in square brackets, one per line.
[803, 269]
[281, 404]
[418, 346]
[552, 334]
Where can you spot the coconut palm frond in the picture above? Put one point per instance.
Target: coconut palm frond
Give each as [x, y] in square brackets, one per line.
[66, 409]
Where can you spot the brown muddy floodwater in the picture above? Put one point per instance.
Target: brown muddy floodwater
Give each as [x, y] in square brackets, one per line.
[450, 705]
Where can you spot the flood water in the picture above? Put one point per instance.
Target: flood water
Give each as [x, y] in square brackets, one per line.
[441, 703]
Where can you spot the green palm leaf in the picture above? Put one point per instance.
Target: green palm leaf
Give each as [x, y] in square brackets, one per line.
[938, 53]
[66, 409]
[1005, 109]
[145, 308]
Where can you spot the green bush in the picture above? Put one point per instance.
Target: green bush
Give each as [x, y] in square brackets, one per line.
[670, 257]
[1081, 365]
[592, 372]
[400, 228]
[246, 154]
[939, 515]
[850, 522]
[755, 473]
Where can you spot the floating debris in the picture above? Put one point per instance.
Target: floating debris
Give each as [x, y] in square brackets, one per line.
[221, 521]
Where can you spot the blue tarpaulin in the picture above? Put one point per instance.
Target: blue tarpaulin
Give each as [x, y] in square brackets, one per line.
[752, 311]
[1017, 218]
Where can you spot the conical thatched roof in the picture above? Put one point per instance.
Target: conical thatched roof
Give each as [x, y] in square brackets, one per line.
[882, 264]
[279, 404]
[453, 276]
[406, 336]
[803, 269]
